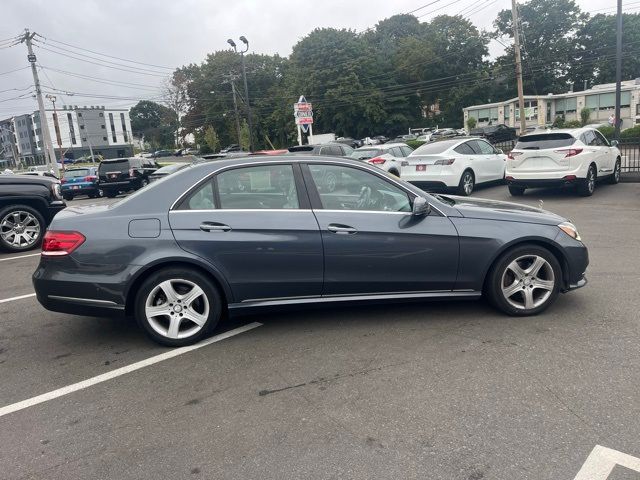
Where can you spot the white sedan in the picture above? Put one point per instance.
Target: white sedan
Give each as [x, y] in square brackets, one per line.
[459, 163]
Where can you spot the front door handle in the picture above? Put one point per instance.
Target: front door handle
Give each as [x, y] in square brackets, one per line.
[214, 227]
[341, 229]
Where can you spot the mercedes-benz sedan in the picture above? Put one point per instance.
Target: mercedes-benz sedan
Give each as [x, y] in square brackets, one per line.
[246, 233]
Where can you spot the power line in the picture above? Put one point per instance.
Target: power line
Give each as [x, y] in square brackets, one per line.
[114, 83]
[12, 71]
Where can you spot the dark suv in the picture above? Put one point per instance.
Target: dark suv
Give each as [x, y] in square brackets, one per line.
[495, 133]
[125, 174]
[325, 149]
[27, 206]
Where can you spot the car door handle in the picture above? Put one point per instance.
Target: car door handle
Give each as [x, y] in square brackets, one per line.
[341, 229]
[214, 227]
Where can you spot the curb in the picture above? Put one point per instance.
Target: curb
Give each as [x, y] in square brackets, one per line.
[630, 177]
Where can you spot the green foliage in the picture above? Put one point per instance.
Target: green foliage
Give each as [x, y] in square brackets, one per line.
[414, 143]
[573, 124]
[585, 116]
[156, 122]
[608, 131]
[559, 122]
[244, 136]
[633, 132]
[211, 139]
[471, 123]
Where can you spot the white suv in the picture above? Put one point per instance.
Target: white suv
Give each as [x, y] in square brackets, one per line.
[562, 157]
[388, 156]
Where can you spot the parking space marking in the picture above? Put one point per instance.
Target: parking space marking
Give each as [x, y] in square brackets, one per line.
[601, 462]
[45, 397]
[21, 256]
[19, 297]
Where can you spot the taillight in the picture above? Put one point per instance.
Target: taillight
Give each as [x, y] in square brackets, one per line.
[63, 180]
[57, 243]
[571, 152]
[448, 161]
[90, 178]
[131, 172]
[376, 160]
[513, 155]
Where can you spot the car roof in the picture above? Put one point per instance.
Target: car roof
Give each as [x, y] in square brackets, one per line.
[284, 158]
[576, 132]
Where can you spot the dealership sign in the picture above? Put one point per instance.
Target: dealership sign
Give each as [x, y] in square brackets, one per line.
[303, 112]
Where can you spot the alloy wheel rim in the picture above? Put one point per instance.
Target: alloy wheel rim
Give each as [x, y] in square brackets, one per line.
[616, 171]
[177, 308]
[527, 282]
[20, 229]
[468, 183]
[591, 181]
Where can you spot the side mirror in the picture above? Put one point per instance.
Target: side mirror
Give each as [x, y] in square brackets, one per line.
[615, 143]
[420, 207]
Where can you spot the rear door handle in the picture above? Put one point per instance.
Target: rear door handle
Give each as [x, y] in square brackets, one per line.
[341, 229]
[214, 227]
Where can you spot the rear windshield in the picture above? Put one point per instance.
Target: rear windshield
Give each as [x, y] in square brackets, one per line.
[76, 173]
[117, 166]
[366, 153]
[434, 148]
[544, 140]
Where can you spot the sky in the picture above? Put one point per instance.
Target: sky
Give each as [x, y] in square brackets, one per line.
[160, 35]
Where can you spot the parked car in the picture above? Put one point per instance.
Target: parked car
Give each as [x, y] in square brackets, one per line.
[459, 163]
[80, 181]
[41, 174]
[443, 133]
[578, 157]
[228, 237]
[389, 156]
[125, 174]
[27, 205]
[162, 154]
[353, 143]
[332, 149]
[495, 133]
[425, 137]
[166, 171]
[231, 148]
[269, 152]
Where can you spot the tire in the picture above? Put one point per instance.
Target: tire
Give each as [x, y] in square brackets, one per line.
[516, 191]
[586, 188]
[183, 323]
[614, 178]
[68, 197]
[143, 183]
[111, 193]
[531, 274]
[467, 183]
[21, 233]
[98, 193]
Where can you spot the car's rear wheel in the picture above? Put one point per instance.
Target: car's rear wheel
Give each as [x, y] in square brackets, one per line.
[98, 193]
[178, 306]
[467, 183]
[21, 228]
[143, 183]
[516, 191]
[524, 281]
[587, 187]
[615, 177]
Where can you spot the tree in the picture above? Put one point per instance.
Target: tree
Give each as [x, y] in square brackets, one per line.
[245, 144]
[211, 139]
[471, 123]
[585, 115]
[154, 122]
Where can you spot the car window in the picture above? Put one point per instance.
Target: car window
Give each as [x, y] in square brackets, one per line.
[485, 148]
[396, 152]
[258, 187]
[464, 149]
[200, 199]
[366, 153]
[434, 148]
[346, 188]
[331, 150]
[77, 173]
[406, 150]
[601, 141]
[116, 166]
[544, 140]
[347, 150]
[588, 138]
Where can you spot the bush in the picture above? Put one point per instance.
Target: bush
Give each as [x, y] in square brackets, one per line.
[573, 124]
[608, 131]
[471, 123]
[559, 122]
[414, 143]
[633, 132]
[585, 116]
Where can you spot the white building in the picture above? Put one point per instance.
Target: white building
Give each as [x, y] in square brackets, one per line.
[542, 110]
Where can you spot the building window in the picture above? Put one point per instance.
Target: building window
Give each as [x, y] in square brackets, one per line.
[124, 128]
[72, 132]
[84, 139]
[607, 101]
[530, 110]
[80, 114]
[81, 127]
[113, 128]
[104, 139]
[102, 127]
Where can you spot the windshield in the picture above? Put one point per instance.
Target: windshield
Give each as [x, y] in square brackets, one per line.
[117, 166]
[544, 141]
[77, 173]
[366, 153]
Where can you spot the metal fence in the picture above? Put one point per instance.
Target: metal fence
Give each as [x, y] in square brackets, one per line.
[629, 150]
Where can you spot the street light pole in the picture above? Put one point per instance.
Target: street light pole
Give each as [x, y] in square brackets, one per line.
[244, 40]
[618, 70]
[56, 127]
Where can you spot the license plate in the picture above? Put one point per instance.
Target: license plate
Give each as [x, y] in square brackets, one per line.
[421, 168]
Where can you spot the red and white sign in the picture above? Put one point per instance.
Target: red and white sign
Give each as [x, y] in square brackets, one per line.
[303, 112]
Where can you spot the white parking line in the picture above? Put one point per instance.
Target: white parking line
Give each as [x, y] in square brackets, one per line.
[19, 297]
[602, 461]
[21, 256]
[45, 397]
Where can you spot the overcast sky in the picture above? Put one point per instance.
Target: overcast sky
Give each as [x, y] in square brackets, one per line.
[174, 33]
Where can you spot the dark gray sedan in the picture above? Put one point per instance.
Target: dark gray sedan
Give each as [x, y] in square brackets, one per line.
[247, 233]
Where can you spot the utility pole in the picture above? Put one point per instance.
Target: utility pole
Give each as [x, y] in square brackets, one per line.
[618, 70]
[235, 107]
[50, 154]
[516, 38]
[56, 128]
[246, 99]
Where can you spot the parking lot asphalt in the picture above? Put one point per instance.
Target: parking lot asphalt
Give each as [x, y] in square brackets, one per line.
[436, 390]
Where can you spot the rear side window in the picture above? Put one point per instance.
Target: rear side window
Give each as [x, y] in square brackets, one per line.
[485, 148]
[259, 187]
[544, 141]
[201, 199]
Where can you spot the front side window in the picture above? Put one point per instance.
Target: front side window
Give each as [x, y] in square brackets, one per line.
[485, 148]
[600, 140]
[346, 188]
[260, 187]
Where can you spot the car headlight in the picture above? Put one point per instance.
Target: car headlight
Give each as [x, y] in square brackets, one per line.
[570, 229]
[57, 194]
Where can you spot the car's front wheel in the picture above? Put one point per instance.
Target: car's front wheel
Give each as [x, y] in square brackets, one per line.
[178, 306]
[467, 183]
[21, 228]
[524, 281]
